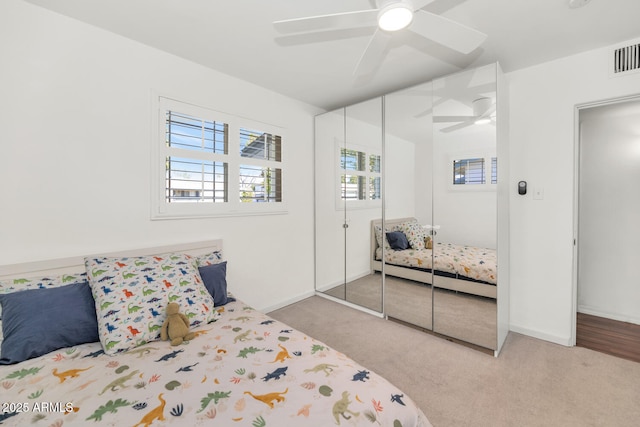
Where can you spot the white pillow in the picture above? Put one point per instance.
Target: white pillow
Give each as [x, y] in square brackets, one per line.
[415, 234]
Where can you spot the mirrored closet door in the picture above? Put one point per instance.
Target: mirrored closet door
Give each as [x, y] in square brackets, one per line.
[434, 154]
[465, 172]
[408, 205]
[348, 196]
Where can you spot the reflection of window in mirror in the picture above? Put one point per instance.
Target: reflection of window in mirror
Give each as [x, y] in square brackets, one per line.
[359, 176]
[468, 172]
[472, 171]
[494, 170]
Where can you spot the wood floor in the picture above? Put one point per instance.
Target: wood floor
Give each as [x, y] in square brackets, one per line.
[613, 337]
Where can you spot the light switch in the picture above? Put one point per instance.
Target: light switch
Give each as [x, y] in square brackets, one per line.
[538, 193]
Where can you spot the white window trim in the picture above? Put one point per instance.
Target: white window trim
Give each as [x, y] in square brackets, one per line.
[161, 210]
[487, 186]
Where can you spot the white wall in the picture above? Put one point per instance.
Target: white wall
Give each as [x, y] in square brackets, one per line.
[75, 115]
[467, 214]
[401, 178]
[542, 106]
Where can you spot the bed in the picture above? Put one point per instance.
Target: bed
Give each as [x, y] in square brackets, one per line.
[459, 268]
[242, 368]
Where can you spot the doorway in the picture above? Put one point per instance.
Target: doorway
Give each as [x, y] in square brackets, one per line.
[608, 228]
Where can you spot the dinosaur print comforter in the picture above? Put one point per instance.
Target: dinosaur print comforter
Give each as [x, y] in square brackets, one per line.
[462, 260]
[245, 369]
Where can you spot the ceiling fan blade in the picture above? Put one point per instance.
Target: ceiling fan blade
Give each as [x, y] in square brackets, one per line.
[489, 111]
[457, 127]
[335, 21]
[451, 119]
[419, 4]
[372, 55]
[446, 32]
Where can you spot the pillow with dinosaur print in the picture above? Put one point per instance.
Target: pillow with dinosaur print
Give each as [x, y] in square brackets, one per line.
[415, 234]
[210, 258]
[132, 294]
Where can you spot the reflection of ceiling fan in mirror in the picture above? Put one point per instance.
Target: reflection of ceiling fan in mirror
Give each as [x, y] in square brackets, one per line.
[483, 109]
[390, 16]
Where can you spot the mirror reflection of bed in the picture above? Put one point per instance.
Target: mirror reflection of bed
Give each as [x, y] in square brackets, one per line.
[465, 277]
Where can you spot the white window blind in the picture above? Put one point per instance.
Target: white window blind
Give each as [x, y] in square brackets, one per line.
[473, 172]
[494, 170]
[360, 178]
[468, 171]
[190, 179]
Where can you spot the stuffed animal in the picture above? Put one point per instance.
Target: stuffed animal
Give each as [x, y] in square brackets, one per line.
[176, 326]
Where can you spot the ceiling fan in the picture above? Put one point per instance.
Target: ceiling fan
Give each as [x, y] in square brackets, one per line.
[390, 16]
[483, 109]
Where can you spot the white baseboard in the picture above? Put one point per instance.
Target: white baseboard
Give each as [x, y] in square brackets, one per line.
[565, 341]
[326, 287]
[287, 302]
[349, 304]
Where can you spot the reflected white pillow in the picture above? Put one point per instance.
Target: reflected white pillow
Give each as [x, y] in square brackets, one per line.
[415, 234]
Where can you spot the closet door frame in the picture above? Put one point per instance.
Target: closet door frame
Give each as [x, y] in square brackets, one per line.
[576, 199]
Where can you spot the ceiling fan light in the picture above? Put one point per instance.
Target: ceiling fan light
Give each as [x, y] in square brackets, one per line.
[395, 17]
[483, 121]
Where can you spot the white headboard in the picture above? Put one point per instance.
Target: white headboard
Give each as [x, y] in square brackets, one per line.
[76, 264]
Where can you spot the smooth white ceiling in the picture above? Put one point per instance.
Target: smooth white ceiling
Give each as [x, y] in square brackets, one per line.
[237, 37]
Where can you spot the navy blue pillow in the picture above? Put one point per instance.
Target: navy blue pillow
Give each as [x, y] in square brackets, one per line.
[214, 277]
[39, 321]
[397, 240]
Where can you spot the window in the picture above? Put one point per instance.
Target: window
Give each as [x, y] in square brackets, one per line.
[360, 176]
[211, 163]
[494, 170]
[472, 172]
[260, 183]
[195, 177]
[468, 171]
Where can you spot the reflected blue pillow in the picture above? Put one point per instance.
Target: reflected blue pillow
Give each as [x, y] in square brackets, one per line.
[39, 321]
[215, 280]
[397, 240]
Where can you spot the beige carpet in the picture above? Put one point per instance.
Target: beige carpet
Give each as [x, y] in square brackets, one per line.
[365, 291]
[466, 317]
[531, 383]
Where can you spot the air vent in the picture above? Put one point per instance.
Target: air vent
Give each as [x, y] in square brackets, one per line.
[626, 59]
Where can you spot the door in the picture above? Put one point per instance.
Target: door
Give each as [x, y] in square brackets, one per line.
[348, 196]
[361, 180]
[465, 203]
[329, 216]
[407, 183]
[608, 212]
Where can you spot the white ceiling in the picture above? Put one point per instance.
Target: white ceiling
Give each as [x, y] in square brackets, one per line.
[237, 37]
